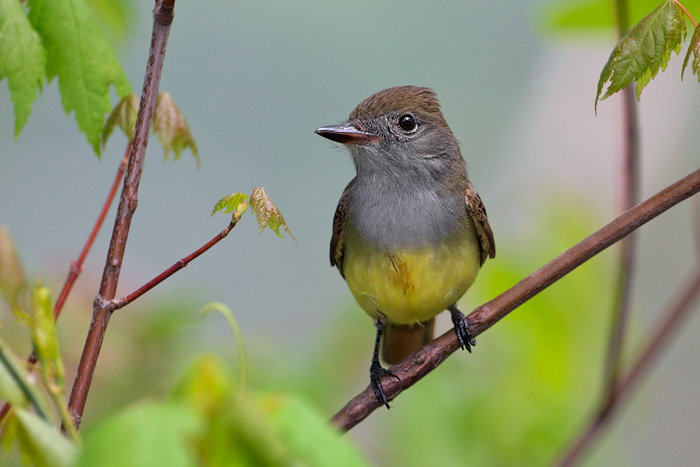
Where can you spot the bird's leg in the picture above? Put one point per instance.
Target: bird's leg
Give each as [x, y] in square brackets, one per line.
[376, 371]
[466, 341]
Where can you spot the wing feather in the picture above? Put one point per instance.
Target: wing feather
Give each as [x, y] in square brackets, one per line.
[339, 221]
[476, 209]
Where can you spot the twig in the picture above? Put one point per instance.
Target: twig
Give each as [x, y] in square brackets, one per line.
[76, 267]
[162, 19]
[423, 361]
[122, 302]
[629, 197]
[674, 315]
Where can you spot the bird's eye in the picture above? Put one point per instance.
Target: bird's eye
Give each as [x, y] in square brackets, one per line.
[407, 122]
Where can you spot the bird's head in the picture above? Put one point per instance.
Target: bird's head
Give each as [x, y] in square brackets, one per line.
[398, 132]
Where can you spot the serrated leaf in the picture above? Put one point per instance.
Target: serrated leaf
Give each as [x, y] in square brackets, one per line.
[13, 283]
[693, 49]
[236, 203]
[643, 50]
[81, 55]
[22, 60]
[267, 213]
[124, 115]
[42, 443]
[172, 129]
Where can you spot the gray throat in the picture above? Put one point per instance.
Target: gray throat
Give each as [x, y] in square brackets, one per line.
[390, 214]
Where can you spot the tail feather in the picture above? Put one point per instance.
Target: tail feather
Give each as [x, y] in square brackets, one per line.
[401, 340]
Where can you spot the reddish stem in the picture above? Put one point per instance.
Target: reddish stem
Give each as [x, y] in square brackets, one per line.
[122, 302]
[676, 312]
[76, 267]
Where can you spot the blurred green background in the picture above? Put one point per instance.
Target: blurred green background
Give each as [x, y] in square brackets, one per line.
[254, 79]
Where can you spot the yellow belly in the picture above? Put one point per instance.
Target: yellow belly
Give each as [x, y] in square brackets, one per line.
[412, 284]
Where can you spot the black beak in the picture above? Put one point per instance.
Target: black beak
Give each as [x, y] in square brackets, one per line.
[347, 133]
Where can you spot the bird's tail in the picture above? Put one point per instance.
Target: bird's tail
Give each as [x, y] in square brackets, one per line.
[400, 340]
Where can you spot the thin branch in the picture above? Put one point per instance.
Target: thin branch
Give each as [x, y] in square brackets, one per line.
[76, 267]
[423, 361]
[122, 302]
[674, 315]
[162, 19]
[629, 197]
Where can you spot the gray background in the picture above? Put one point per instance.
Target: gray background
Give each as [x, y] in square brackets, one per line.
[255, 79]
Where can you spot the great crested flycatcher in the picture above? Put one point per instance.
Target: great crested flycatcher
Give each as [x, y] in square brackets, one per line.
[410, 231]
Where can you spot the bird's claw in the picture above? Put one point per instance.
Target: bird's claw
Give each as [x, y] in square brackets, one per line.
[375, 379]
[466, 341]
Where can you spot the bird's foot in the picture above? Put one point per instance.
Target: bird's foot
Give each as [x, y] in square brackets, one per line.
[376, 371]
[466, 341]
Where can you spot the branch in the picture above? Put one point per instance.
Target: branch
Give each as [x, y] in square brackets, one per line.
[629, 197]
[674, 315]
[162, 19]
[122, 302]
[423, 361]
[76, 267]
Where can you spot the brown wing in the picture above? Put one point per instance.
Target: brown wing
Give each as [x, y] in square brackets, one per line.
[339, 220]
[476, 209]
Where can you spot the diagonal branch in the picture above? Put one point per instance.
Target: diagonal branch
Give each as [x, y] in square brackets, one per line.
[674, 315]
[423, 361]
[122, 302]
[76, 267]
[162, 19]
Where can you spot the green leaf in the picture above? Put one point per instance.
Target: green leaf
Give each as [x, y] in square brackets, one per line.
[45, 337]
[15, 387]
[267, 213]
[172, 129]
[41, 443]
[116, 17]
[124, 115]
[694, 49]
[81, 55]
[13, 283]
[643, 50]
[151, 434]
[236, 430]
[236, 203]
[22, 59]
[307, 434]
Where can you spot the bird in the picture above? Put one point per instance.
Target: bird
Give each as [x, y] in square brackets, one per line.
[410, 232]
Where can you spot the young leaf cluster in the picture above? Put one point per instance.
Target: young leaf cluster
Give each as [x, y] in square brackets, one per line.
[169, 124]
[45, 39]
[266, 212]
